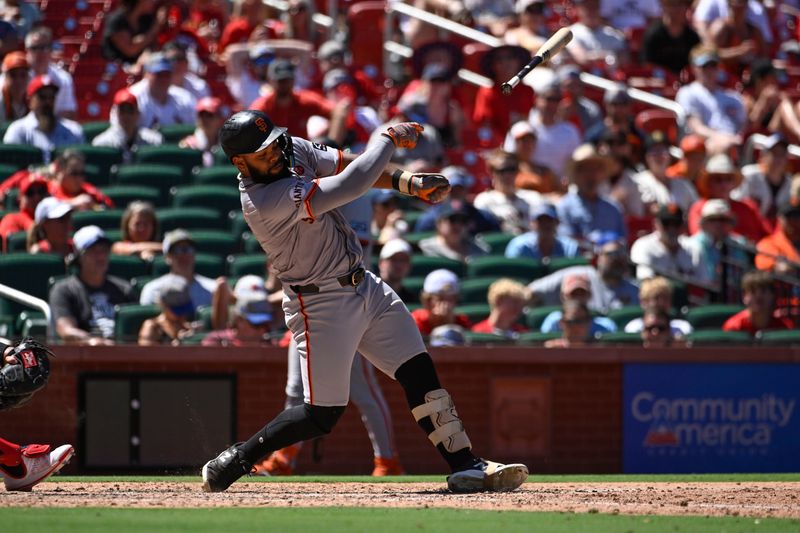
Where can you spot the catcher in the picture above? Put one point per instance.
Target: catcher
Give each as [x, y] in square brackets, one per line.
[24, 368]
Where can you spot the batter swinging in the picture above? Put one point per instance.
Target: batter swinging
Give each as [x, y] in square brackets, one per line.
[332, 305]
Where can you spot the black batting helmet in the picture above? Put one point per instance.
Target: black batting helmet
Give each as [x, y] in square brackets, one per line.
[250, 131]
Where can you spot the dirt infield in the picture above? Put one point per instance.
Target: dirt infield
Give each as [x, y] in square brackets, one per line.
[756, 499]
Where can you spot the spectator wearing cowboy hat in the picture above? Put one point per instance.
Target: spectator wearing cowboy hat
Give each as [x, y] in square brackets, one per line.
[41, 127]
[718, 180]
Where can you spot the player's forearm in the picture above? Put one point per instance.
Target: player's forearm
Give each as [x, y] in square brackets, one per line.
[384, 181]
[356, 179]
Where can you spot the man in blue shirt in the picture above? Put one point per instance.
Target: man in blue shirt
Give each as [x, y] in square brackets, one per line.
[583, 212]
[542, 239]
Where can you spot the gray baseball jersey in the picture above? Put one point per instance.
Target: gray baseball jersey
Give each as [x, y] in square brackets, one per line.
[309, 240]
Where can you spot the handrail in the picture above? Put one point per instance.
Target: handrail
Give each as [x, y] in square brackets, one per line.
[31, 301]
[760, 140]
[638, 95]
[443, 23]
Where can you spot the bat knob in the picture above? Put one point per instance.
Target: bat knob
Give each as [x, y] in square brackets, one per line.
[506, 88]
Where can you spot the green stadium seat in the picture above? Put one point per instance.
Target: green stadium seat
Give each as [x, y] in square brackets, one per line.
[27, 273]
[496, 241]
[20, 155]
[487, 339]
[537, 337]
[190, 218]
[210, 266]
[215, 242]
[789, 337]
[422, 265]
[122, 195]
[623, 315]
[128, 266]
[17, 242]
[129, 321]
[224, 176]
[474, 290]
[185, 158]
[102, 157]
[711, 337]
[174, 133]
[138, 282]
[413, 238]
[238, 225]
[620, 337]
[106, 219]
[414, 286]
[6, 170]
[475, 312]
[93, 129]
[534, 316]
[250, 244]
[555, 264]
[411, 217]
[505, 267]
[711, 316]
[161, 177]
[217, 197]
[244, 264]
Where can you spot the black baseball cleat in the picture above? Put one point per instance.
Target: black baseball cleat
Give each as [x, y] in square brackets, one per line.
[220, 472]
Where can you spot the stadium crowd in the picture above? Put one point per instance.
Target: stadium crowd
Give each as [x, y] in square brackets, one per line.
[580, 210]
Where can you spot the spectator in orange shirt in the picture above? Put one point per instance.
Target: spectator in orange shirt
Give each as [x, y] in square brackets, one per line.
[507, 299]
[288, 106]
[31, 192]
[780, 252]
[521, 140]
[439, 299]
[691, 165]
[718, 180]
[68, 183]
[759, 299]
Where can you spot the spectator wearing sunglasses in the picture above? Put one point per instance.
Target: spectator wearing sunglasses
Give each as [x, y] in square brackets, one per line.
[173, 324]
[656, 331]
[251, 319]
[179, 250]
[31, 192]
[665, 251]
[575, 325]
[69, 183]
[655, 296]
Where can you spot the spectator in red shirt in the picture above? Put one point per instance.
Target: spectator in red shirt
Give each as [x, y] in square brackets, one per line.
[759, 299]
[68, 183]
[247, 15]
[718, 180]
[507, 299]
[493, 109]
[31, 192]
[439, 299]
[288, 106]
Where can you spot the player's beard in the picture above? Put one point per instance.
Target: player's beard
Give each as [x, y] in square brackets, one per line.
[277, 171]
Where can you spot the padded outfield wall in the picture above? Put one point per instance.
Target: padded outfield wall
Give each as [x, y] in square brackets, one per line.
[599, 410]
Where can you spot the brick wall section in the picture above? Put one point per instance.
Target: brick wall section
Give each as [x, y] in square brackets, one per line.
[585, 399]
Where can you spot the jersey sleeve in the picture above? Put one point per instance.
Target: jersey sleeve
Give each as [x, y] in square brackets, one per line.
[324, 160]
[285, 201]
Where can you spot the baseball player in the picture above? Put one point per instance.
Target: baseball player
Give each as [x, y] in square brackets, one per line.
[365, 391]
[24, 368]
[332, 305]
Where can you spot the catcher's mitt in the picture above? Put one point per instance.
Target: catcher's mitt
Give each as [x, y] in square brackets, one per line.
[19, 382]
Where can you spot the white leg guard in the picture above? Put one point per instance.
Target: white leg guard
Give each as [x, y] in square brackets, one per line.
[448, 429]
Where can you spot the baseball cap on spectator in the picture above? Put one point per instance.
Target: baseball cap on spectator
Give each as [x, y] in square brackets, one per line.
[655, 139]
[175, 295]
[329, 49]
[586, 154]
[157, 63]
[441, 281]
[41, 82]
[693, 144]
[448, 335]
[281, 69]
[703, 55]
[174, 237]
[35, 181]
[334, 78]
[51, 209]
[720, 164]
[568, 71]
[209, 104]
[574, 282]
[250, 286]
[125, 97]
[716, 209]
[544, 209]
[776, 139]
[617, 95]
[435, 72]
[88, 236]
[14, 60]
[521, 129]
[261, 55]
[670, 213]
[256, 309]
[394, 247]
[453, 208]
[458, 176]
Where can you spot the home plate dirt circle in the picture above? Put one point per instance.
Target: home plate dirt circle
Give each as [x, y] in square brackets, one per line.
[755, 499]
